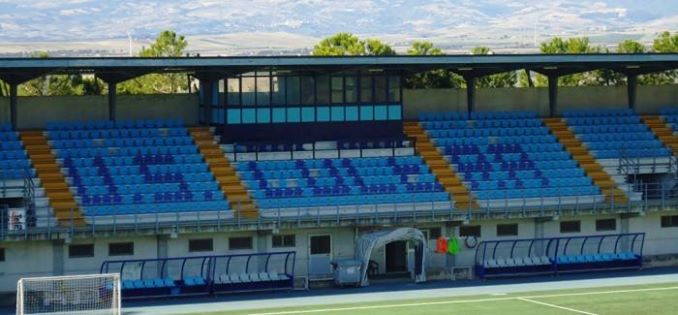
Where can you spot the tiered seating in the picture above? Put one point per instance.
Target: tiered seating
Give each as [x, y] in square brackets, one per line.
[504, 156]
[131, 167]
[615, 133]
[670, 115]
[341, 181]
[14, 163]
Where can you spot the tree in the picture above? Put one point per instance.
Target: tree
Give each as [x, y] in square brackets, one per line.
[167, 44]
[499, 80]
[52, 85]
[574, 45]
[664, 43]
[378, 48]
[347, 44]
[629, 46]
[433, 79]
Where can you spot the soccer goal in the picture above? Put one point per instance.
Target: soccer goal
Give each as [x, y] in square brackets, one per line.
[78, 294]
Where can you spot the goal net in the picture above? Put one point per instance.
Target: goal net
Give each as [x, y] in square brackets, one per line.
[83, 294]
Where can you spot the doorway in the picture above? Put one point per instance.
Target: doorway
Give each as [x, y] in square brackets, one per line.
[396, 256]
[320, 255]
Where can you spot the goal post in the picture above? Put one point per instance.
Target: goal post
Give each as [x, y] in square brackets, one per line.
[76, 294]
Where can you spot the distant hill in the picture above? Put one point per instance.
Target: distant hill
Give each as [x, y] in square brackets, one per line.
[275, 26]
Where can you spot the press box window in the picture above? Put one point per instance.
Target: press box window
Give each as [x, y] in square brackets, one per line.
[606, 225]
[81, 251]
[470, 231]
[121, 249]
[507, 229]
[669, 221]
[284, 241]
[200, 245]
[239, 243]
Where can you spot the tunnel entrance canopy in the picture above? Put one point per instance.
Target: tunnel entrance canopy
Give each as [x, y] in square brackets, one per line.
[368, 242]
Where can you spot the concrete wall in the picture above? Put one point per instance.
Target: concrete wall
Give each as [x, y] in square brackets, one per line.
[34, 112]
[649, 99]
[41, 258]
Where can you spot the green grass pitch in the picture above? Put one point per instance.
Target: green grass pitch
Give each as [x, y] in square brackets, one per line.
[631, 300]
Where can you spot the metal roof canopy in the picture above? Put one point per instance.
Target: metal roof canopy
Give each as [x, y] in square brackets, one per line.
[209, 69]
[18, 70]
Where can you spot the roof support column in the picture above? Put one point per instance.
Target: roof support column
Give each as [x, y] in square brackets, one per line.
[470, 93]
[13, 100]
[553, 94]
[209, 97]
[112, 99]
[632, 83]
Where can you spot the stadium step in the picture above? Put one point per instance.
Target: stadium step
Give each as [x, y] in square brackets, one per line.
[663, 132]
[53, 181]
[586, 161]
[440, 167]
[232, 187]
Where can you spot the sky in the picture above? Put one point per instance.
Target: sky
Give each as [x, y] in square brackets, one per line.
[22, 20]
[270, 27]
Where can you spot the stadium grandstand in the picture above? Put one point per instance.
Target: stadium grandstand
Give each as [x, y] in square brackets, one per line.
[286, 172]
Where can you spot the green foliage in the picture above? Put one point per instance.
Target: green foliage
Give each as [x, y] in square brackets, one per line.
[666, 43]
[629, 46]
[434, 79]
[347, 44]
[574, 45]
[4, 88]
[376, 47]
[499, 80]
[167, 44]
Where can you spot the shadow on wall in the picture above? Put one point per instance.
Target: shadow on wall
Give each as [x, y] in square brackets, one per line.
[649, 99]
[34, 112]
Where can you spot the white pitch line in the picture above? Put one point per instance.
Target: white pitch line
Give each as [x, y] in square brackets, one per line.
[555, 306]
[524, 298]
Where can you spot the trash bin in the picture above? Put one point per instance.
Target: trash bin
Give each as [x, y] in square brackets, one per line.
[347, 272]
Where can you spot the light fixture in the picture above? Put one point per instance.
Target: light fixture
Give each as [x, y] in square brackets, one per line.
[550, 68]
[633, 67]
[375, 70]
[465, 69]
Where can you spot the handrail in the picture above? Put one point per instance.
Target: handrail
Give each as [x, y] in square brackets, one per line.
[394, 143]
[654, 196]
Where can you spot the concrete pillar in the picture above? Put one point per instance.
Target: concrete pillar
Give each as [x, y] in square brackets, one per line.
[470, 93]
[632, 83]
[553, 94]
[208, 99]
[624, 227]
[58, 249]
[539, 249]
[161, 247]
[112, 99]
[13, 100]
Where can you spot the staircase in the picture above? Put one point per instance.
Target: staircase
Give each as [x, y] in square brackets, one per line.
[231, 185]
[586, 161]
[439, 166]
[663, 131]
[53, 181]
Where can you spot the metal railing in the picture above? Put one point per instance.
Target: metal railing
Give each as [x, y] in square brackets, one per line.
[257, 148]
[631, 166]
[650, 197]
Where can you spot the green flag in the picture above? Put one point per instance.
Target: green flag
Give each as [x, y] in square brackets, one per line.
[453, 245]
